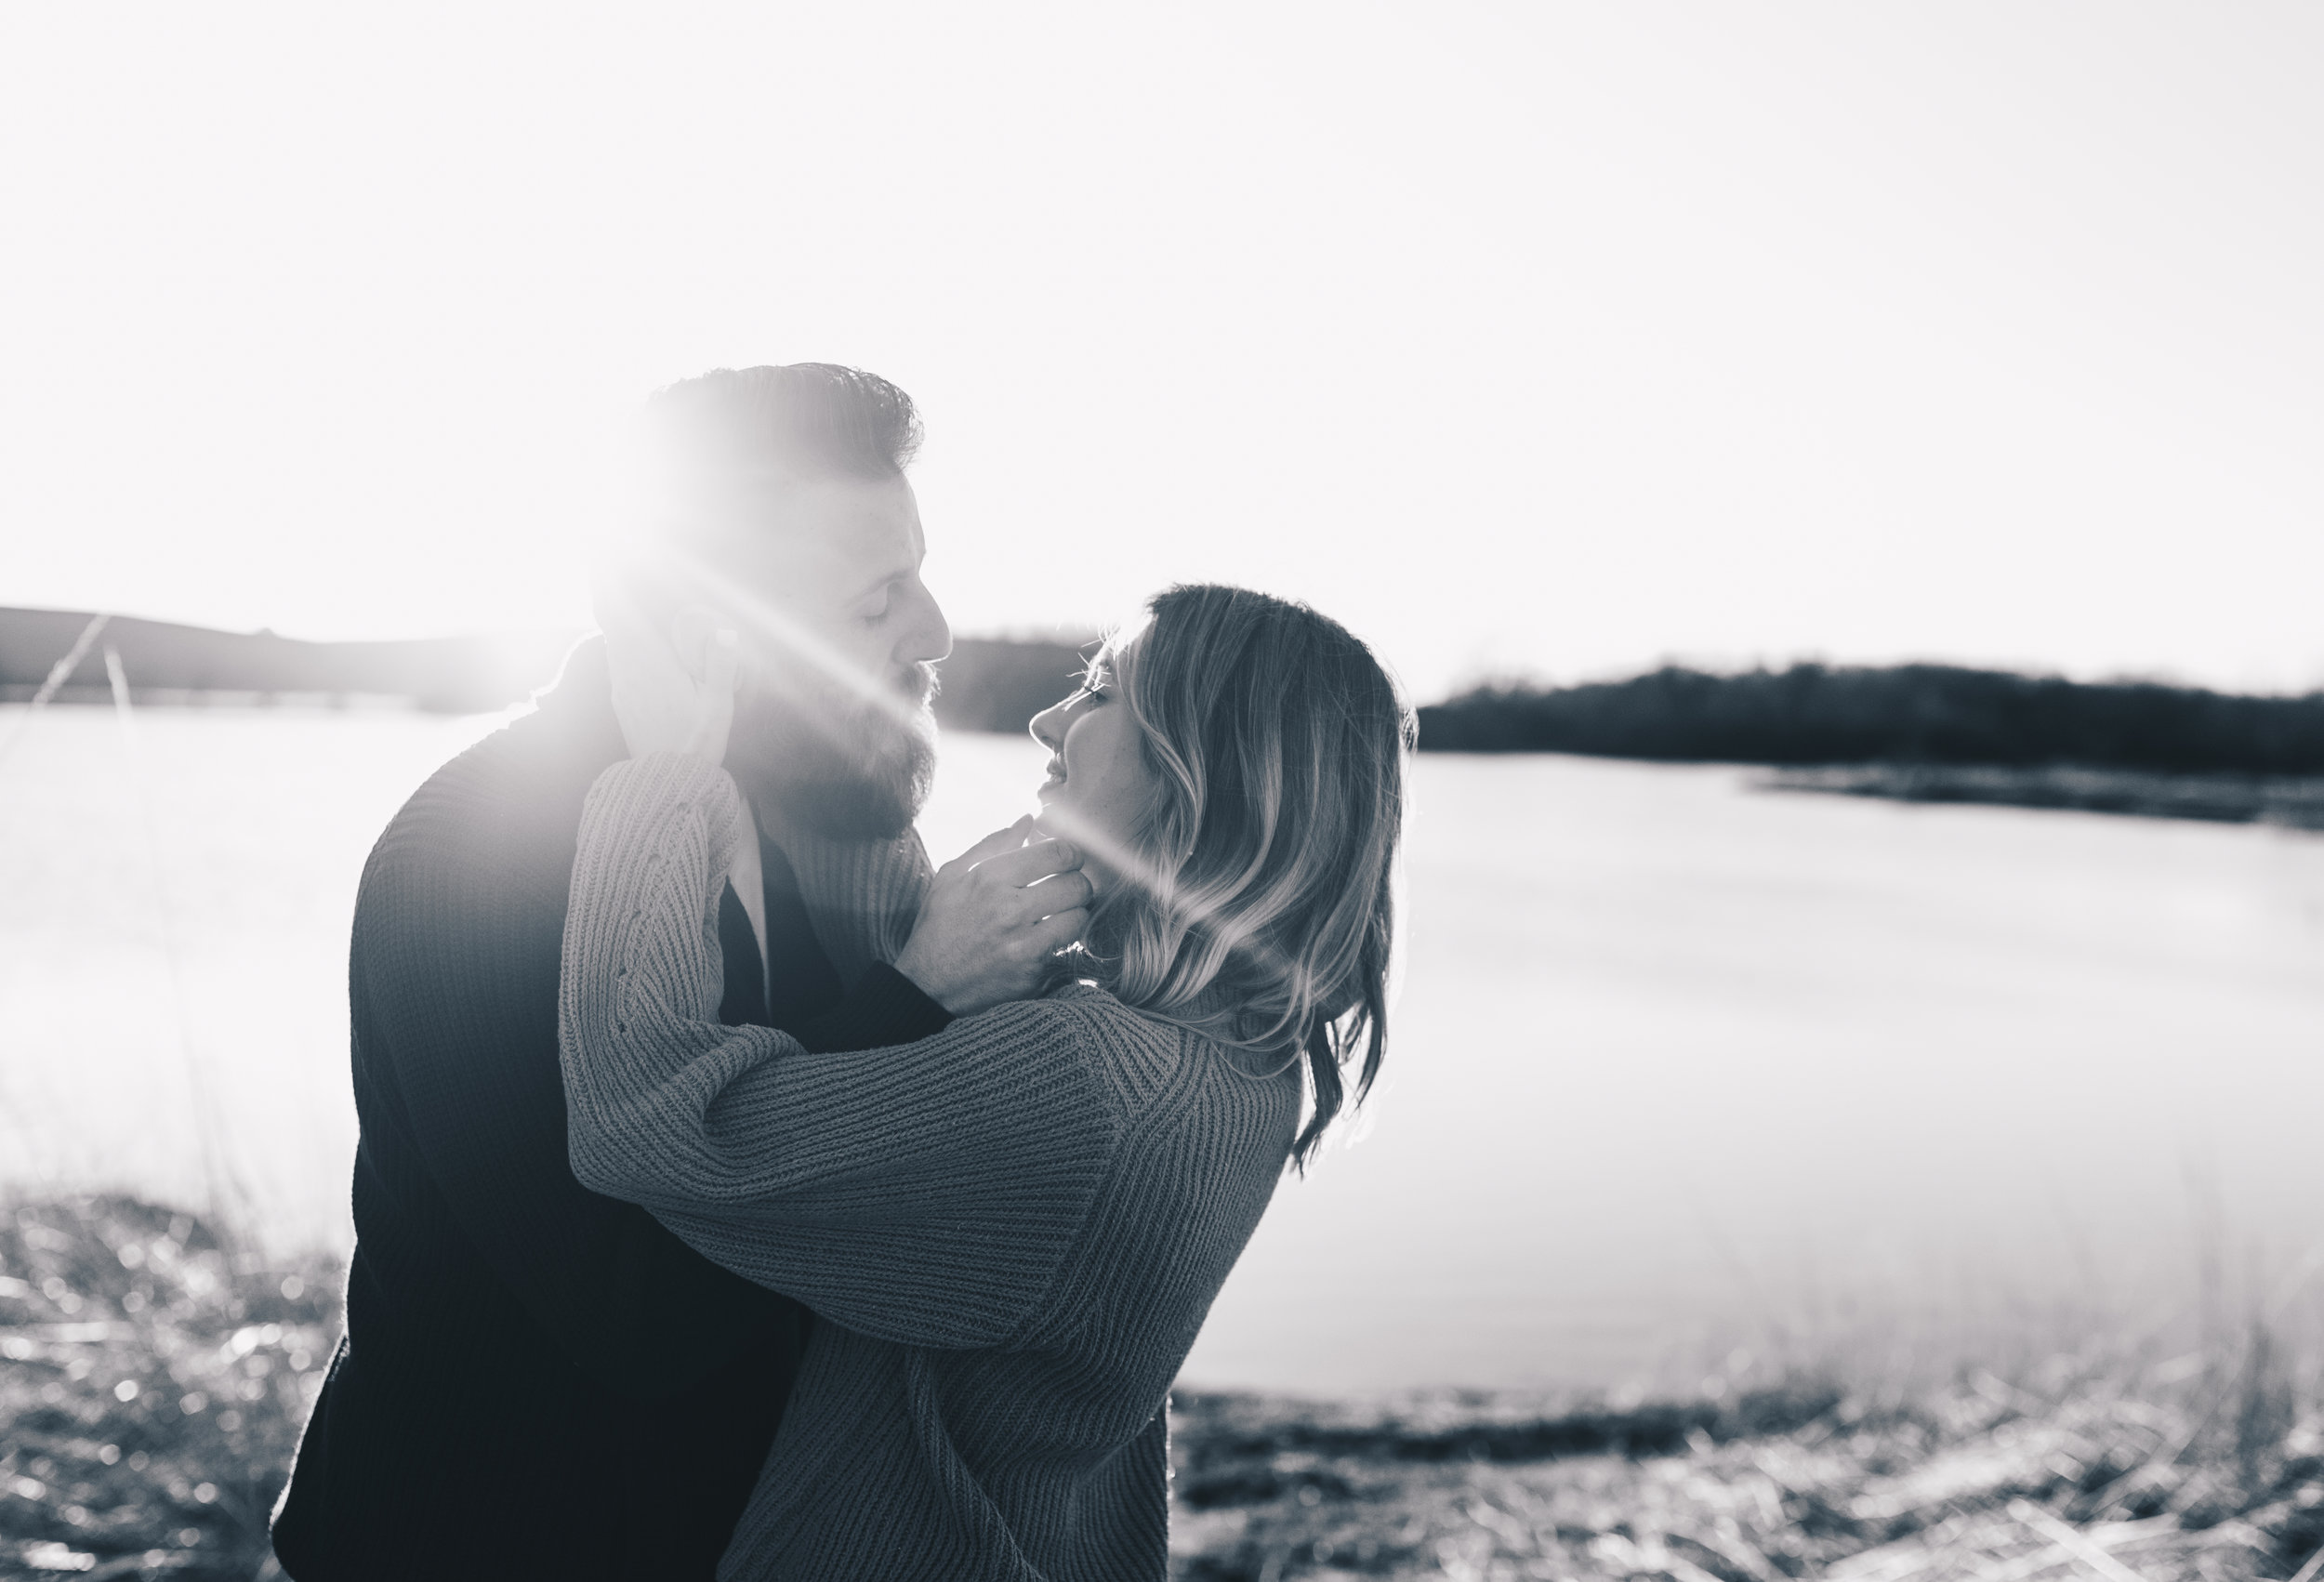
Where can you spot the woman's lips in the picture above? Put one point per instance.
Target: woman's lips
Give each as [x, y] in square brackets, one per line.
[1056, 778]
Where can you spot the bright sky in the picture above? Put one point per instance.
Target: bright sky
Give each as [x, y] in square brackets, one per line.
[1556, 339]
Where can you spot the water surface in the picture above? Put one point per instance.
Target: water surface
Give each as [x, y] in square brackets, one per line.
[1674, 1059]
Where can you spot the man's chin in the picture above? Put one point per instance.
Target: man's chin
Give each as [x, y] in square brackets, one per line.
[823, 792]
[857, 810]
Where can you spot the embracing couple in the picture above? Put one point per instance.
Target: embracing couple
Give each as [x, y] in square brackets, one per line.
[738, 1197]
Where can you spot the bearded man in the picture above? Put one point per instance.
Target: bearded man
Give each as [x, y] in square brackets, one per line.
[536, 1380]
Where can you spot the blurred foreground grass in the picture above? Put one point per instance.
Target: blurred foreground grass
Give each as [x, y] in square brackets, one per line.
[2073, 1474]
[153, 1381]
[152, 1384]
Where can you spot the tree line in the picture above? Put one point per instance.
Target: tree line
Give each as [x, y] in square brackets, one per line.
[1934, 713]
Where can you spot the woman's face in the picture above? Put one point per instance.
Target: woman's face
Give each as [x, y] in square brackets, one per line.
[1099, 786]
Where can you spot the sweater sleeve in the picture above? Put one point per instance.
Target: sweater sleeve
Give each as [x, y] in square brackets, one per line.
[924, 1193]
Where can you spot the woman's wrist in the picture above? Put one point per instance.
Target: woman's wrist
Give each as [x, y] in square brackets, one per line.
[925, 970]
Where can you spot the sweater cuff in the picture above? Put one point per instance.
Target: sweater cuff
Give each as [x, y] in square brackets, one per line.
[885, 1007]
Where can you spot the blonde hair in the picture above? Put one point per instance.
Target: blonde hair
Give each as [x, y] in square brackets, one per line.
[1263, 917]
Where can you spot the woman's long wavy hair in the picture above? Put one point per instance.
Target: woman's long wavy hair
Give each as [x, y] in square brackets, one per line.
[1258, 906]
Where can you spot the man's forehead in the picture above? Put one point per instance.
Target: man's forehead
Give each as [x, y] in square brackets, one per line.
[837, 528]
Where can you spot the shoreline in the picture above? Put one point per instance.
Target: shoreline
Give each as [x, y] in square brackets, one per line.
[2291, 802]
[2286, 801]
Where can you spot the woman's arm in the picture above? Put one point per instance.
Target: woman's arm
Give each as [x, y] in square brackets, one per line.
[922, 1193]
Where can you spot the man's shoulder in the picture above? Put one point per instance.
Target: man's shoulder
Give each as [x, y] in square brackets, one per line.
[458, 811]
[488, 806]
[501, 816]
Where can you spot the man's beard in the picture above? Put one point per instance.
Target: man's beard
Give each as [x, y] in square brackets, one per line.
[836, 764]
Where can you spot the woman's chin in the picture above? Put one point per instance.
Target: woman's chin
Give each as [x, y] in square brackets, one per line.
[1058, 823]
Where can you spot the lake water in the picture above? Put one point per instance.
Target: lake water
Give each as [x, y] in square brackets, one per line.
[1676, 1063]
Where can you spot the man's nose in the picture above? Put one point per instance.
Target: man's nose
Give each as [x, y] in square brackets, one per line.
[927, 636]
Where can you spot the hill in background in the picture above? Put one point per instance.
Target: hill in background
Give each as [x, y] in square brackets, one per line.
[165, 663]
[989, 684]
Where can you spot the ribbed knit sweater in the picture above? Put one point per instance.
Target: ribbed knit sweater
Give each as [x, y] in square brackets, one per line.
[1009, 1232]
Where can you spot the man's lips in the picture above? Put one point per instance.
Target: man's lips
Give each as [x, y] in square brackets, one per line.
[916, 684]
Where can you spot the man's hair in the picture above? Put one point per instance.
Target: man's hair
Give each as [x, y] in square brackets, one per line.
[787, 418]
[717, 448]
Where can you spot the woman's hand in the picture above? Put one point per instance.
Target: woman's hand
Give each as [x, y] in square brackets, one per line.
[669, 703]
[994, 916]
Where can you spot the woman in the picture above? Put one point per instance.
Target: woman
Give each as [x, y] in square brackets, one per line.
[1010, 1230]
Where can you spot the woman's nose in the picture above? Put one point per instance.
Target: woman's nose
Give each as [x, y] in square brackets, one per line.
[1049, 726]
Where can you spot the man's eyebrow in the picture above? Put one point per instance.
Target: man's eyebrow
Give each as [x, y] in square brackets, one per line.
[895, 571]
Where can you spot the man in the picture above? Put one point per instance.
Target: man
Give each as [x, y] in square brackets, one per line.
[535, 1380]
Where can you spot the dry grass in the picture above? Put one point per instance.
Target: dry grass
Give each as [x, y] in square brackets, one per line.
[151, 1388]
[2188, 1472]
[2209, 1465]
